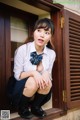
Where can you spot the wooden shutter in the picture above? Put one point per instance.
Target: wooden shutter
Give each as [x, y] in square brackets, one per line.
[71, 44]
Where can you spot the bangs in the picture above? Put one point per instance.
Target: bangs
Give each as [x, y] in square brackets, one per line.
[43, 25]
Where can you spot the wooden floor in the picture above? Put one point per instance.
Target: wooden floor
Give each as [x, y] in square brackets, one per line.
[51, 114]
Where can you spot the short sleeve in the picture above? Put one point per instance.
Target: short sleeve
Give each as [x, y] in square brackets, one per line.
[51, 63]
[18, 62]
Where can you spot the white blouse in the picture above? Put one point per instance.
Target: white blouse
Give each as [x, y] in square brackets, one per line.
[22, 59]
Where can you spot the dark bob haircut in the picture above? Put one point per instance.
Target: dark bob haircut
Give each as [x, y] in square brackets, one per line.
[45, 23]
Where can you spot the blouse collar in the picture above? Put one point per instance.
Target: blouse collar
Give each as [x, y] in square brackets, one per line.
[32, 48]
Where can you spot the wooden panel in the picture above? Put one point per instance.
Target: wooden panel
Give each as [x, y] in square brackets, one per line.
[72, 58]
[7, 47]
[58, 65]
[2, 62]
[51, 114]
[44, 5]
[74, 54]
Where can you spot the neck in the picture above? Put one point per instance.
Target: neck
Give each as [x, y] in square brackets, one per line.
[39, 49]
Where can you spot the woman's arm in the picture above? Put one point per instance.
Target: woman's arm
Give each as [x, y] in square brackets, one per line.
[27, 74]
[18, 62]
[47, 74]
[37, 77]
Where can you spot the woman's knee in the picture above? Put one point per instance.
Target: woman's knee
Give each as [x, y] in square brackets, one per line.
[31, 84]
[30, 87]
[46, 90]
[49, 87]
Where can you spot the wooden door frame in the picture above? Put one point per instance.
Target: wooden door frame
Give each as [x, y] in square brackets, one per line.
[55, 15]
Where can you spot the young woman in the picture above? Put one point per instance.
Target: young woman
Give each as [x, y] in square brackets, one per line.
[33, 64]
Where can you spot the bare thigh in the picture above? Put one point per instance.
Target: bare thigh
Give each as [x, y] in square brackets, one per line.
[30, 87]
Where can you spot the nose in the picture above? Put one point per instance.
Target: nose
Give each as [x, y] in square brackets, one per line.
[42, 34]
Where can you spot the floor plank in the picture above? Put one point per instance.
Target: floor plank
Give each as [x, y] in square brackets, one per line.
[51, 114]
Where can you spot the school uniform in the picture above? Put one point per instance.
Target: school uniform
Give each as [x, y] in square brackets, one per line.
[22, 63]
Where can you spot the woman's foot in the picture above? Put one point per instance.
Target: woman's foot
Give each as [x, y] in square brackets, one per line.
[38, 111]
[25, 113]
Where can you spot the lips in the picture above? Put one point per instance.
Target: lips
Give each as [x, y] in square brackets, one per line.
[40, 40]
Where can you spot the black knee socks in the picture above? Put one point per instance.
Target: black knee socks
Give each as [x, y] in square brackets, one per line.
[47, 98]
[38, 99]
[24, 102]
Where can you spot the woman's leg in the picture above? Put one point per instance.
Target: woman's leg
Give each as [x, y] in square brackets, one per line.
[39, 98]
[30, 87]
[28, 91]
[46, 99]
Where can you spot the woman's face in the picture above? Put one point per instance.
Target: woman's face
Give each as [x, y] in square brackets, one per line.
[42, 36]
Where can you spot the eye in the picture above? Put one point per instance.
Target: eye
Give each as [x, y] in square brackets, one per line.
[38, 30]
[47, 32]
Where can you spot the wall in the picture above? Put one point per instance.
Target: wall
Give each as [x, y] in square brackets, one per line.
[71, 5]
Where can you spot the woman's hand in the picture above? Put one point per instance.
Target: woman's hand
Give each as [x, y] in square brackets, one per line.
[46, 77]
[39, 79]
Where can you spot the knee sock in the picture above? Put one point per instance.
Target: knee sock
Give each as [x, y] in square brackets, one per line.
[38, 99]
[47, 98]
[24, 102]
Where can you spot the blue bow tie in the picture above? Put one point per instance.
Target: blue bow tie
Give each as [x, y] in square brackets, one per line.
[35, 59]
